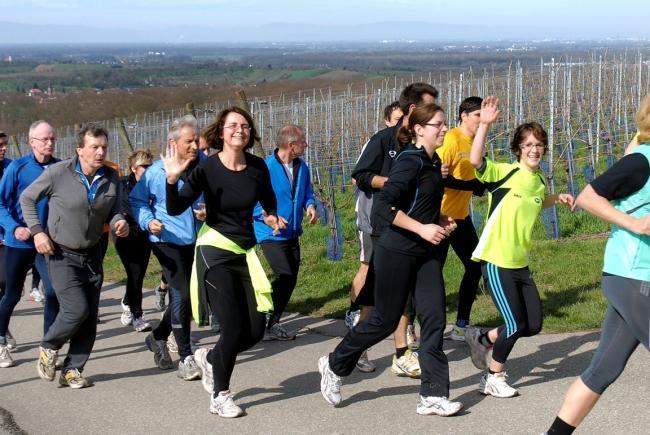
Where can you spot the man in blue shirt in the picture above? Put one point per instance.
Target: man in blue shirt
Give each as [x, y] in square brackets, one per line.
[293, 191]
[173, 239]
[20, 254]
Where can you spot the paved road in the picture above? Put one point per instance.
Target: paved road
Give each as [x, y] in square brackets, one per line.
[278, 386]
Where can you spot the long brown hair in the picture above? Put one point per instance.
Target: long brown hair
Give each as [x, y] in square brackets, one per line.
[420, 116]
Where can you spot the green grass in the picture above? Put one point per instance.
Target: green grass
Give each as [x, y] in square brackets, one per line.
[567, 273]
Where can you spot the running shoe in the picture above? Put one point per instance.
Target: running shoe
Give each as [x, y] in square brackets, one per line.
[159, 298]
[161, 356]
[141, 325]
[223, 404]
[188, 370]
[5, 357]
[432, 405]
[172, 346]
[36, 295]
[72, 378]
[352, 318]
[364, 365]
[11, 341]
[412, 340]
[330, 382]
[478, 351]
[278, 332]
[201, 358]
[46, 364]
[458, 333]
[496, 385]
[406, 365]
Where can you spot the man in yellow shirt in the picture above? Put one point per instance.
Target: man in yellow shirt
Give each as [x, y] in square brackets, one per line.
[455, 203]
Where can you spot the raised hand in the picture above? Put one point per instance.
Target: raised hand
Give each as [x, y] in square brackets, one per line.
[174, 164]
[489, 110]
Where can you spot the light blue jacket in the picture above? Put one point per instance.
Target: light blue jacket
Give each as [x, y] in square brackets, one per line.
[148, 202]
[291, 203]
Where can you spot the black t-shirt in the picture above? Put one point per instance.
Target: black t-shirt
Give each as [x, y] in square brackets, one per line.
[230, 196]
[624, 178]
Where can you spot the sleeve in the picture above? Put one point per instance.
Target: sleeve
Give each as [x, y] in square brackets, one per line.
[140, 202]
[7, 195]
[369, 164]
[117, 212]
[387, 202]
[266, 194]
[624, 178]
[309, 190]
[492, 171]
[41, 187]
[179, 200]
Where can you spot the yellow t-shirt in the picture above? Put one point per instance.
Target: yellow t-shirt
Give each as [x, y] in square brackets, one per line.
[455, 153]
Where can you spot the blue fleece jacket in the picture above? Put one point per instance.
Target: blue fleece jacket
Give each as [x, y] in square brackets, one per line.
[291, 202]
[5, 163]
[148, 202]
[18, 175]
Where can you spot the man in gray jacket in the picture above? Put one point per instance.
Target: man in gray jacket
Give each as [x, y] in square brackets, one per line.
[83, 194]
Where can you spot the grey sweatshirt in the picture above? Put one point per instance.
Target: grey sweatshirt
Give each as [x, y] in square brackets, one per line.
[72, 221]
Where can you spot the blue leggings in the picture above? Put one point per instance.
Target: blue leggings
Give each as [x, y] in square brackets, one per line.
[18, 261]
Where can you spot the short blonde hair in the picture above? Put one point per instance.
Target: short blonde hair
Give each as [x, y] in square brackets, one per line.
[140, 157]
[643, 120]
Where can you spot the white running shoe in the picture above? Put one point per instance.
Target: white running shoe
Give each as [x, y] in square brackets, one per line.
[127, 317]
[5, 357]
[441, 406]
[478, 352]
[278, 332]
[352, 318]
[496, 385]
[330, 382]
[188, 370]
[36, 295]
[171, 343]
[224, 405]
[11, 341]
[406, 365]
[201, 358]
[364, 365]
[412, 340]
[141, 325]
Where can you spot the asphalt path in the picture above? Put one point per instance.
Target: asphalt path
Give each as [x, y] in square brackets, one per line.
[277, 384]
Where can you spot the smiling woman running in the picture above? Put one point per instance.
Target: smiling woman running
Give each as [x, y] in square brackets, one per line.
[517, 194]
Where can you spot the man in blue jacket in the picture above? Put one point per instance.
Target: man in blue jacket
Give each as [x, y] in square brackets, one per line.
[20, 253]
[292, 186]
[173, 239]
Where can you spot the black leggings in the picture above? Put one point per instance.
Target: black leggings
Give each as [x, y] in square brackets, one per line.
[516, 297]
[284, 258]
[176, 263]
[464, 240]
[397, 276]
[232, 299]
[134, 252]
[624, 327]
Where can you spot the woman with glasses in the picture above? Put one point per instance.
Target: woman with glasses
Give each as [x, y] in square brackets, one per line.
[407, 261]
[517, 194]
[227, 273]
[134, 251]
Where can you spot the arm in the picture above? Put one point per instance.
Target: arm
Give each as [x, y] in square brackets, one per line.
[41, 187]
[140, 201]
[366, 171]
[7, 197]
[600, 207]
[489, 114]
[116, 218]
[177, 202]
[310, 201]
[561, 198]
[268, 202]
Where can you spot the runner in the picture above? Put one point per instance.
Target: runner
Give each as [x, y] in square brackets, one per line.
[516, 197]
[407, 261]
[228, 273]
[620, 196]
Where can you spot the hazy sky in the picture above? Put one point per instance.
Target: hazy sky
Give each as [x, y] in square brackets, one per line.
[606, 18]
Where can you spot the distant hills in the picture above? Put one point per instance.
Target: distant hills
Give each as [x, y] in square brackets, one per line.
[417, 31]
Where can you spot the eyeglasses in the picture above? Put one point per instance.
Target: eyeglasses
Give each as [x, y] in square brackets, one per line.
[245, 127]
[539, 146]
[437, 124]
[45, 139]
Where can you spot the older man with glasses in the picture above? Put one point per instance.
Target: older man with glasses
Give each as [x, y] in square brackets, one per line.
[20, 253]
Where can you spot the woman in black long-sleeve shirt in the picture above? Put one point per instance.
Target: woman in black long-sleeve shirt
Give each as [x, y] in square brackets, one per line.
[232, 181]
[406, 261]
